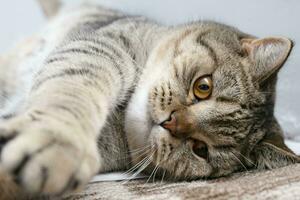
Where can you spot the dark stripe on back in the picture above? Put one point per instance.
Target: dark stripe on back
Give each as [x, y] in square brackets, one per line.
[69, 110]
[125, 41]
[97, 52]
[101, 44]
[57, 59]
[83, 72]
[88, 25]
[100, 23]
[7, 116]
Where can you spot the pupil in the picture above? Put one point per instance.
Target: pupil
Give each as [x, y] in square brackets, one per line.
[203, 87]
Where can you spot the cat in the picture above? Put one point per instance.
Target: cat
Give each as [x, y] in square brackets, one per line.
[104, 91]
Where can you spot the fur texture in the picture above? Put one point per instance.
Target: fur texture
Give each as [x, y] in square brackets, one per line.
[93, 94]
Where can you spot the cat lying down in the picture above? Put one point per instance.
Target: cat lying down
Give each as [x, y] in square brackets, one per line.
[103, 91]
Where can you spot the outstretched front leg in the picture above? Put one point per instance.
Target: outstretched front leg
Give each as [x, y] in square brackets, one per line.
[51, 146]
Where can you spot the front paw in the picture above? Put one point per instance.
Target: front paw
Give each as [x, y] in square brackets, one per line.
[45, 158]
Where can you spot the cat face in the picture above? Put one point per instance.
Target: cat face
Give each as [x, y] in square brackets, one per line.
[204, 104]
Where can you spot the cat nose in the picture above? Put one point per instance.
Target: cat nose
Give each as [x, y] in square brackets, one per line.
[180, 124]
[170, 124]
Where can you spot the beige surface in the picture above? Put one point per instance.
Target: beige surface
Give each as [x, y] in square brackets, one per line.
[283, 183]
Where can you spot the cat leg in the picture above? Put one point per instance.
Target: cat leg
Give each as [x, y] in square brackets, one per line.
[51, 147]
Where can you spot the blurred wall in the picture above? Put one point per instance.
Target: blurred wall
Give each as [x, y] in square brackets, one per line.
[18, 18]
[261, 18]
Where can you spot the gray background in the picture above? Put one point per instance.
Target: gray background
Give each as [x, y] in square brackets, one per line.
[20, 18]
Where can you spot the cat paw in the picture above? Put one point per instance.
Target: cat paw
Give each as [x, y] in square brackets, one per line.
[46, 159]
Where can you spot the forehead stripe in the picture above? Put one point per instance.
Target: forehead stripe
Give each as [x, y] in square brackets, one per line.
[200, 40]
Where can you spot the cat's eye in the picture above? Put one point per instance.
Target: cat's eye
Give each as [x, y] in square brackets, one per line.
[203, 87]
[200, 149]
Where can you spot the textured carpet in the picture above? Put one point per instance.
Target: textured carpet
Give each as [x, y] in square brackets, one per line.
[283, 183]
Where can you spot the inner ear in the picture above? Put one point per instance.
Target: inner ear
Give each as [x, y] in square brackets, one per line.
[267, 55]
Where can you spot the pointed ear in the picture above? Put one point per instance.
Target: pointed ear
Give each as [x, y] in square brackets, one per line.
[267, 54]
[272, 153]
[50, 8]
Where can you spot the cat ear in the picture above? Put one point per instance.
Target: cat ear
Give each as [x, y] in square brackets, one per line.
[50, 7]
[272, 153]
[267, 54]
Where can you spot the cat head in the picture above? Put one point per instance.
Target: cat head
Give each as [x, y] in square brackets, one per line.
[204, 105]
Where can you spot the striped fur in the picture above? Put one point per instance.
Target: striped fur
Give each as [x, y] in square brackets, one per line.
[92, 94]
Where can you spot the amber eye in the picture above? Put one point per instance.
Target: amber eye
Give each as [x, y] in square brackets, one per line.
[200, 149]
[203, 87]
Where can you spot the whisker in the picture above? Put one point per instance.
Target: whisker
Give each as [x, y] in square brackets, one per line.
[239, 161]
[221, 155]
[144, 166]
[147, 150]
[151, 173]
[139, 149]
[250, 161]
[267, 92]
[162, 178]
[153, 180]
[142, 154]
[136, 166]
[139, 154]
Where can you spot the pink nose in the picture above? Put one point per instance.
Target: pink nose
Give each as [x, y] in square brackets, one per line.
[170, 124]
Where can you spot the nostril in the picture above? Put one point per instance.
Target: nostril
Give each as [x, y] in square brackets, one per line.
[170, 124]
[200, 149]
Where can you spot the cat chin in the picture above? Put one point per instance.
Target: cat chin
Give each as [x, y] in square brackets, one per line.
[138, 122]
[141, 131]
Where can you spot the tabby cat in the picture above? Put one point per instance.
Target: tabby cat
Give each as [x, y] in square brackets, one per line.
[104, 91]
